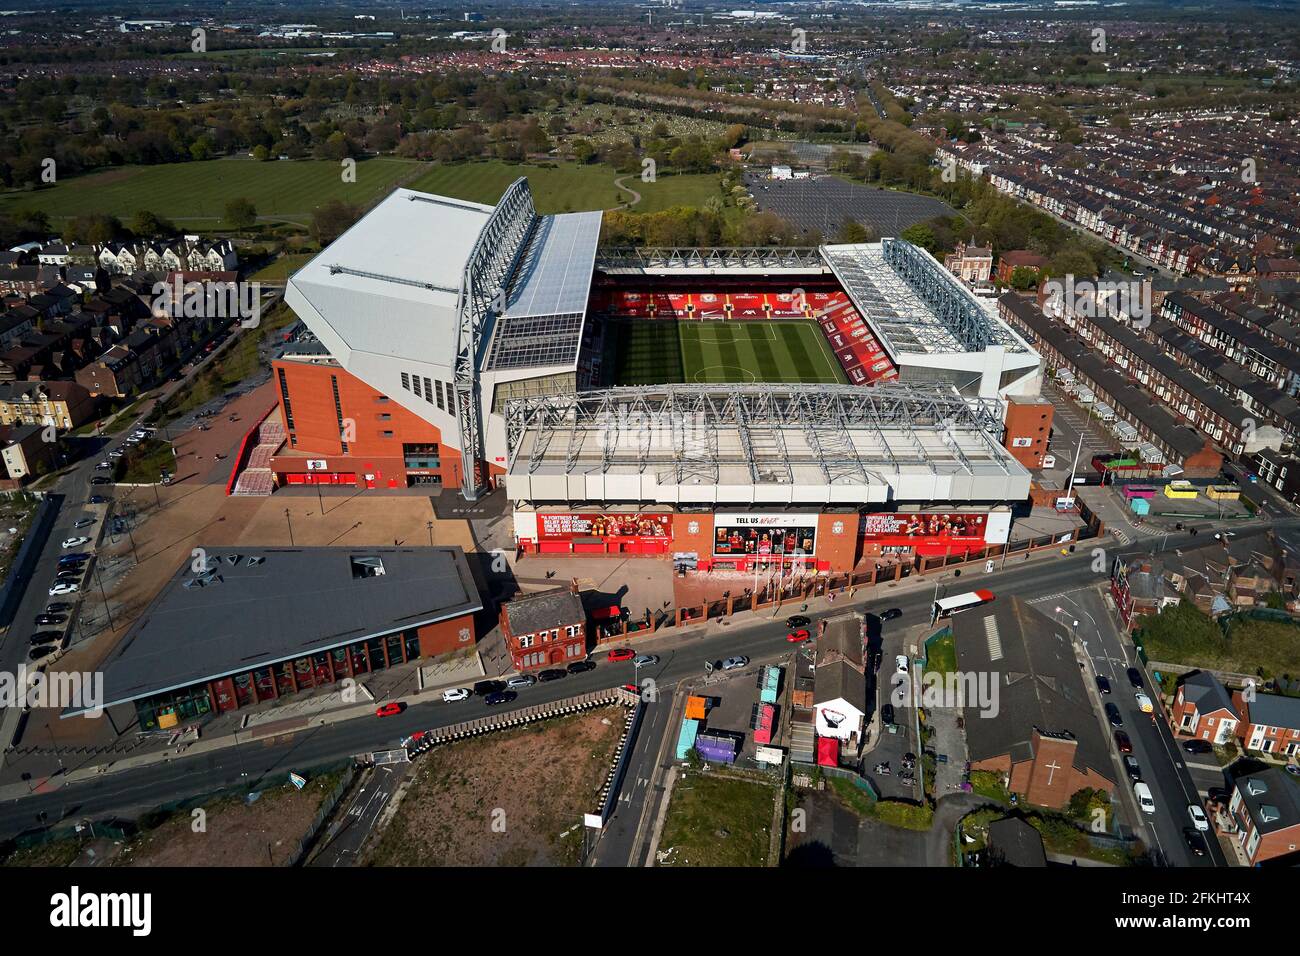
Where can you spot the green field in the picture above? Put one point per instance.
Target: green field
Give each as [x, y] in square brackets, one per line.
[660, 352]
[568, 187]
[198, 192]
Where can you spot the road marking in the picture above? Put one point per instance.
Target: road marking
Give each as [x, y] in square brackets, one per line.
[1205, 766]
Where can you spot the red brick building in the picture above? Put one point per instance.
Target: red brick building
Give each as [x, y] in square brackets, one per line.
[1028, 429]
[1203, 709]
[1265, 809]
[1270, 723]
[545, 629]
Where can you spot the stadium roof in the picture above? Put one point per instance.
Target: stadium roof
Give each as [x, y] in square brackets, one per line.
[263, 606]
[912, 302]
[390, 285]
[760, 443]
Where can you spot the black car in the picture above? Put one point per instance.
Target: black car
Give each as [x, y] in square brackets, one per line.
[892, 613]
[1195, 842]
[74, 558]
[44, 650]
[486, 688]
[1135, 677]
[500, 697]
[101, 480]
[99, 500]
[887, 713]
[1218, 795]
[43, 619]
[578, 667]
[797, 621]
[1123, 743]
[55, 607]
[1133, 768]
[45, 637]
[1103, 684]
[1198, 746]
[1112, 714]
[553, 674]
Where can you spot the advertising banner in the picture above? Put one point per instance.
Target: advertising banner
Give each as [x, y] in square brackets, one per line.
[564, 526]
[924, 529]
[764, 535]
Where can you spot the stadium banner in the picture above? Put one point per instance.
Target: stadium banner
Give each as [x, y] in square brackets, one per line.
[565, 526]
[933, 529]
[758, 535]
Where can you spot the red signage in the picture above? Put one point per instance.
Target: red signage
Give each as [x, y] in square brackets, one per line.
[565, 526]
[923, 529]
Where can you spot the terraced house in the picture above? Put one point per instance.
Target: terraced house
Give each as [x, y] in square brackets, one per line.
[64, 405]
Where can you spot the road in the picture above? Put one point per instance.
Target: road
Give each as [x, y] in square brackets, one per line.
[682, 656]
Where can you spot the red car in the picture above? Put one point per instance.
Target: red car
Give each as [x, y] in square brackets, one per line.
[391, 709]
[621, 654]
[798, 637]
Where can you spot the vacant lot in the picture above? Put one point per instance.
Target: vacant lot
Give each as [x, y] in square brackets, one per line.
[513, 798]
[182, 192]
[717, 820]
[1185, 635]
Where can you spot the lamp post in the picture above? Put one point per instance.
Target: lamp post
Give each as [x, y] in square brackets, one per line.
[107, 613]
[429, 525]
[290, 524]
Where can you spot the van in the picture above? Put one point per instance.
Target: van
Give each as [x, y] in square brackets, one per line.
[1143, 794]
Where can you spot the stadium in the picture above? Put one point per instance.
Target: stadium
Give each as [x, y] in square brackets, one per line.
[625, 398]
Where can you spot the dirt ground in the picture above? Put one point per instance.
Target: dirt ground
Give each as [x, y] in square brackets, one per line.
[466, 807]
[264, 833]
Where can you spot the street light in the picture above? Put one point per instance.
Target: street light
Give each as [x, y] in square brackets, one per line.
[290, 524]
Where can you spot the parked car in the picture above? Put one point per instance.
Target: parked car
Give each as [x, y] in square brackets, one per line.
[453, 694]
[887, 714]
[1123, 743]
[44, 650]
[484, 688]
[83, 523]
[500, 697]
[102, 466]
[1195, 842]
[391, 709]
[620, 654]
[1132, 767]
[735, 663]
[1292, 769]
[1198, 746]
[798, 637]
[521, 680]
[75, 558]
[115, 454]
[45, 637]
[55, 607]
[1199, 819]
[892, 613]
[64, 587]
[99, 500]
[1219, 795]
[553, 674]
[797, 621]
[900, 664]
[1135, 678]
[44, 619]
[1112, 714]
[1143, 702]
[579, 667]
[100, 480]
[74, 542]
[1103, 684]
[1144, 799]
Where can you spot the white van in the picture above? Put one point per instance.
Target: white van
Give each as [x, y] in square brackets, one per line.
[1143, 794]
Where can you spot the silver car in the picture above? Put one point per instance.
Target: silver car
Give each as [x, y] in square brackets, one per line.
[734, 663]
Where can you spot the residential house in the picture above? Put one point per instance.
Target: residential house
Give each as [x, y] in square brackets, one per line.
[1270, 723]
[64, 405]
[840, 683]
[1204, 709]
[545, 629]
[1265, 808]
[24, 451]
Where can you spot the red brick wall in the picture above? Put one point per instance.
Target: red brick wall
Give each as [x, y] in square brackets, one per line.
[1031, 420]
[841, 550]
[1275, 844]
[701, 542]
[316, 428]
[446, 636]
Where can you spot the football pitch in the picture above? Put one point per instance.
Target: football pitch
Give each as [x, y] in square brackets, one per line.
[660, 352]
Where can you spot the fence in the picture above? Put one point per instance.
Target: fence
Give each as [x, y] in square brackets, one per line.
[15, 585]
[326, 810]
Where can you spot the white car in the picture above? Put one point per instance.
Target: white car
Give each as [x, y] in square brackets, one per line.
[900, 664]
[645, 660]
[453, 694]
[104, 466]
[75, 542]
[1143, 702]
[65, 587]
[1199, 819]
[1143, 794]
[115, 453]
[734, 663]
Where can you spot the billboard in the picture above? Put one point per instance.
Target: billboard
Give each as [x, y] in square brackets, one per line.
[565, 526]
[894, 529]
[764, 535]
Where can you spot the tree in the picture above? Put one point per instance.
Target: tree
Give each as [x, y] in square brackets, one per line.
[853, 231]
[146, 223]
[330, 220]
[921, 235]
[241, 213]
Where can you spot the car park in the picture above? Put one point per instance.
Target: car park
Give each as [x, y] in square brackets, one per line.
[900, 664]
[485, 687]
[1195, 842]
[892, 613]
[620, 654]
[1123, 743]
[553, 673]
[64, 587]
[1143, 702]
[579, 667]
[75, 542]
[1142, 793]
[391, 709]
[1198, 746]
[453, 694]
[735, 663]
[1103, 684]
[1199, 819]
[798, 637]
[1132, 767]
[500, 697]
[1112, 714]
[521, 680]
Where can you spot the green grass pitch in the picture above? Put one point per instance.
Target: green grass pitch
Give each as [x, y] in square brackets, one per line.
[660, 352]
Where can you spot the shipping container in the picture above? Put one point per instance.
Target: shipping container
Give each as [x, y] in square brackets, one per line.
[686, 739]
